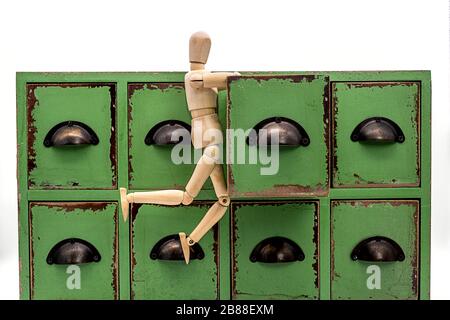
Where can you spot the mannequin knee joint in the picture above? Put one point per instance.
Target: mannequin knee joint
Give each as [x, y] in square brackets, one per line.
[213, 153]
[187, 199]
[224, 201]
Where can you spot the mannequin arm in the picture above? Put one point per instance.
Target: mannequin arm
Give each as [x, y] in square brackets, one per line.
[217, 80]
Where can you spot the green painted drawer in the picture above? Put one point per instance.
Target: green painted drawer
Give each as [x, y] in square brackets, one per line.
[362, 164]
[298, 171]
[259, 222]
[355, 221]
[94, 222]
[171, 279]
[71, 167]
[152, 166]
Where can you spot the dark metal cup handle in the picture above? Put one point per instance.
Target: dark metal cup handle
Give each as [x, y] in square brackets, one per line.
[168, 132]
[70, 133]
[169, 248]
[378, 130]
[73, 251]
[277, 250]
[289, 133]
[378, 249]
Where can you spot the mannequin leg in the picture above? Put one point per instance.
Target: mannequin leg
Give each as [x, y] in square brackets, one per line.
[218, 181]
[214, 214]
[201, 172]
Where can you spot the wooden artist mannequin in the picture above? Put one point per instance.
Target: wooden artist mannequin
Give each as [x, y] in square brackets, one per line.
[201, 94]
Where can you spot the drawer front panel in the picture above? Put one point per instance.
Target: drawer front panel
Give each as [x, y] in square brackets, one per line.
[171, 279]
[72, 271]
[376, 161]
[298, 107]
[275, 269]
[377, 269]
[158, 166]
[70, 157]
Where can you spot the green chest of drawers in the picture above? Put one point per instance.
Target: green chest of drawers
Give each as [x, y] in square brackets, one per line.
[354, 214]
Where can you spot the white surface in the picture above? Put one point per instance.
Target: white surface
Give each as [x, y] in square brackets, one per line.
[260, 35]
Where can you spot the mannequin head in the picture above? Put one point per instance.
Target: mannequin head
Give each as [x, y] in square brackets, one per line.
[199, 45]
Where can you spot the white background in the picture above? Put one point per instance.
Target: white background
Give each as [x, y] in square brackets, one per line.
[260, 35]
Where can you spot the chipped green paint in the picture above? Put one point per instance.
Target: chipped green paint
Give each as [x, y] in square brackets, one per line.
[158, 279]
[397, 220]
[365, 165]
[71, 167]
[96, 223]
[302, 170]
[253, 223]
